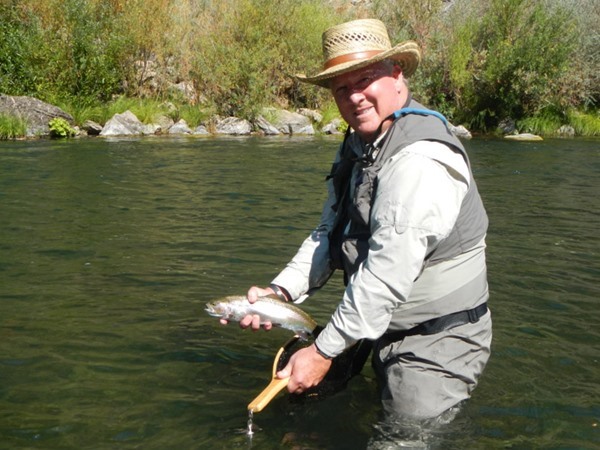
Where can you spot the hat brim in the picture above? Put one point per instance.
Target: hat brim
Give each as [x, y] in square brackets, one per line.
[407, 54]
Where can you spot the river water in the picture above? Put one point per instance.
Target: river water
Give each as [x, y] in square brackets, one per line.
[110, 248]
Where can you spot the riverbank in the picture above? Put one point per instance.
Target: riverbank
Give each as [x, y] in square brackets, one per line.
[30, 118]
[485, 62]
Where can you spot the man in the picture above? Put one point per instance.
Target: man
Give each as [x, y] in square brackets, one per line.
[405, 222]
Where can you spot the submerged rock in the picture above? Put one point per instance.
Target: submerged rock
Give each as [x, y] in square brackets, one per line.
[523, 137]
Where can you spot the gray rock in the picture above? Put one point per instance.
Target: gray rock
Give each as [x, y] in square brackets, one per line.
[313, 115]
[152, 128]
[186, 89]
[460, 131]
[288, 122]
[92, 128]
[201, 130]
[566, 130]
[265, 126]
[332, 127]
[524, 137]
[181, 127]
[164, 122]
[35, 112]
[507, 126]
[127, 124]
[233, 125]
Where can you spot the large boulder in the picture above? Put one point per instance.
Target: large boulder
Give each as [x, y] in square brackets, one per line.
[35, 112]
[233, 125]
[265, 127]
[288, 122]
[127, 124]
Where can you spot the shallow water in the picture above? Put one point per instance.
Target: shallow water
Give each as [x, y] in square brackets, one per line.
[110, 248]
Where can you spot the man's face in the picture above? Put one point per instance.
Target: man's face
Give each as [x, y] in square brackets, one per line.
[367, 96]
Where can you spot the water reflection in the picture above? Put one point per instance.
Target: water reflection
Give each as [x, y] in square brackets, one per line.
[111, 248]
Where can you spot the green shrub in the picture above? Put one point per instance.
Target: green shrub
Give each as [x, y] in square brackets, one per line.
[60, 128]
[487, 60]
[250, 50]
[528, 48]
[18, 35]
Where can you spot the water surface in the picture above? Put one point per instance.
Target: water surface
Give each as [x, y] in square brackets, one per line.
[109, 249]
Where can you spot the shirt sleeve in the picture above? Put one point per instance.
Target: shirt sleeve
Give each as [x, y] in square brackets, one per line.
[418, 199]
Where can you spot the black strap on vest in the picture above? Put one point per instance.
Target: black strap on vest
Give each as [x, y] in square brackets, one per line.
[440, 324]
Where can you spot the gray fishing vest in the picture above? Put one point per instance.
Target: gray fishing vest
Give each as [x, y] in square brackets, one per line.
[349, 238]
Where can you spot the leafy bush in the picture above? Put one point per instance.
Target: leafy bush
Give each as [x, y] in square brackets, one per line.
[491, 59]
[249, 50]
[17, 37]
[60, 49]
[59, 127]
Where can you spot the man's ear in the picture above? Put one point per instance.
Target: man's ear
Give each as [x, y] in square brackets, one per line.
[398, 77]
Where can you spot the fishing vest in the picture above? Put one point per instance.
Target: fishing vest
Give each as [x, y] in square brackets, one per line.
[349, 238]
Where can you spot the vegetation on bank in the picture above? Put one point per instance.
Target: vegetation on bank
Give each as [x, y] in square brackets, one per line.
[534, 61]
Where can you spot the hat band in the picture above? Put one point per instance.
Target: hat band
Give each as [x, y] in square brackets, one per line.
[351, 57]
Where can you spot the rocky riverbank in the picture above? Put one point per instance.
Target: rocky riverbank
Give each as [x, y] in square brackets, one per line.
[38, 114]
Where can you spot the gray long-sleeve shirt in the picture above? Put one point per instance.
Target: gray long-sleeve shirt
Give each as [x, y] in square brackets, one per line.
[418, 199]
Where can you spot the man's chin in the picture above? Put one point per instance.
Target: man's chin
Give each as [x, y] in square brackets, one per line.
[367, 134]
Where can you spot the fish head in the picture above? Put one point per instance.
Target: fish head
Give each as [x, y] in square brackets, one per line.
[216, 309]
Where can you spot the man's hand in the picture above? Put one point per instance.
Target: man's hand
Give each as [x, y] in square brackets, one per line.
[305, 369]
[253, 320]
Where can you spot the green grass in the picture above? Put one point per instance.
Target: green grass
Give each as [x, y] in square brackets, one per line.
[193, 114]
[585, 124]
[545, 124]
[12, 127]
[330, 112]
[548, 124]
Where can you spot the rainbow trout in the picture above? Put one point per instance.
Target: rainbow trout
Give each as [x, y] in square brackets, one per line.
[270, 309]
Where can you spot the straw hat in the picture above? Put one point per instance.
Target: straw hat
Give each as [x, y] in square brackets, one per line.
[360, 43]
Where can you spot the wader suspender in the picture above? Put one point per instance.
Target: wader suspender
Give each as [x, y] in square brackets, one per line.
[341, 173]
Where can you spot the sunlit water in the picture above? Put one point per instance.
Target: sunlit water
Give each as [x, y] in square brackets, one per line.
[109, 250]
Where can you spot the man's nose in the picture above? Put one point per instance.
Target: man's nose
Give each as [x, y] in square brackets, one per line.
[356, 96]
